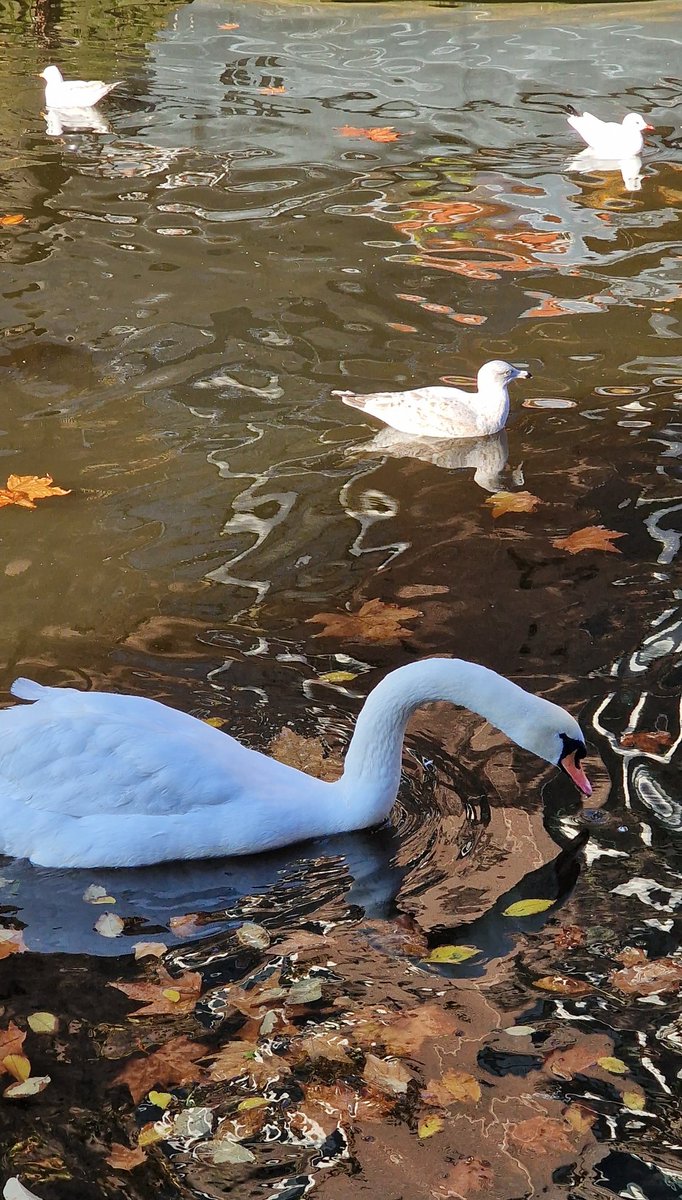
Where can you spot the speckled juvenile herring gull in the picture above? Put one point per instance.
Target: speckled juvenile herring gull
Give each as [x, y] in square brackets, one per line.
[73, 93]
[446, 412]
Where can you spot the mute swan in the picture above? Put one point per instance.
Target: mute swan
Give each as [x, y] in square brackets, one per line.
[73, 93]
[445, 412]
[608, 139]
[92, 779]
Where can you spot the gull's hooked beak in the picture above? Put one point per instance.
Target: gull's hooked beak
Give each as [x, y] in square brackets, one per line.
[651, 128]
[522, 373]
[571, 767]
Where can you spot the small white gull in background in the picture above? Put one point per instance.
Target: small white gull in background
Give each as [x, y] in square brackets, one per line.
[445, 412]
[608, 139]
[73, 93]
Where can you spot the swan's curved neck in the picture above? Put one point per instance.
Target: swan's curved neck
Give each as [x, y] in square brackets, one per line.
[372, 767]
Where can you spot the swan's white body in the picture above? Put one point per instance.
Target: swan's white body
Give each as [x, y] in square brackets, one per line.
[73, 93]
[608, 139]
[91, 779]
[445, 412]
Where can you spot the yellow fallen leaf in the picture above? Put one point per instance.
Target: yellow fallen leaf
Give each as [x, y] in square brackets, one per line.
[43, 1022]
[506, 502]
[526, 908]
[615, 1066]
[149, 1134]
[18, 1066]
[216, 722]
[338, 676]
[452, 954]
[634, 1101]
[160, 1099]
[430, 1125]
[24, 490]
[171, 994]
[251, 1102]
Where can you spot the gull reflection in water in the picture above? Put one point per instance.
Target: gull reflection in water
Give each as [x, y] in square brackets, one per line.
[76, 119]
[587, 163]
[487, 455]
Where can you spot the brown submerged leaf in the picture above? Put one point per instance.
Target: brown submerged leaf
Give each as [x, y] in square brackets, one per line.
[592, 537]
[542, 1135]
[122, 1158]
[174, 1062]
[388, 1075]
[11, 1040]
[468, 1176]
[563, 985]
[374, 622]
[306, 754]
[652, 741]
[164, 995]
[506, 502]
[236, 1059]
[454, 1087]
[647, 977]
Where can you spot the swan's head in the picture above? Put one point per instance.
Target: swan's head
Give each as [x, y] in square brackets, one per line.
[635, 122]
[499, 373]
[51, 75]
[553, 734]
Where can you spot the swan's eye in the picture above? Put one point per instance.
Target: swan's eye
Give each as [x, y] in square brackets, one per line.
[571, 745]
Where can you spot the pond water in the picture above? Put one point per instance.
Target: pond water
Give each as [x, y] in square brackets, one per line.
[195, 273]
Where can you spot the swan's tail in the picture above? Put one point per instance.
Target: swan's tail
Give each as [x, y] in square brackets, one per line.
[351, 399]
[26, 689]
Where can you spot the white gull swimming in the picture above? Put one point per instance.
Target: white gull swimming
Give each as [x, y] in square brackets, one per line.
[73, 93]
[608, 139]
[445, 412]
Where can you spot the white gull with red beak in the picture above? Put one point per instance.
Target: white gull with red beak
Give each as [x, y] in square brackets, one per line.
[608, 139]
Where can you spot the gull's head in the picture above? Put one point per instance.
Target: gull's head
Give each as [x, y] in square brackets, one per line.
[499, 373]
[51, 75]
[636, 122]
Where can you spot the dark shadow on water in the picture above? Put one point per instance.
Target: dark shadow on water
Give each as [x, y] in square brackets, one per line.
[294, 883]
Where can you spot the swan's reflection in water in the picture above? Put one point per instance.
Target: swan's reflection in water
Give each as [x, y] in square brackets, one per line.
[486, 455]
[296, 883]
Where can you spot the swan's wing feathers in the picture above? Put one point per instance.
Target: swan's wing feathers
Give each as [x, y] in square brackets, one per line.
[80, 753]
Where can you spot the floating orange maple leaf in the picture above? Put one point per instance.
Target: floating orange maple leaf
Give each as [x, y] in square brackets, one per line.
[375, 622]
[382, 133]
[506, 502]
[592, 537]
[24, 490]
[272, 91]
[12, 219]
[229, 25]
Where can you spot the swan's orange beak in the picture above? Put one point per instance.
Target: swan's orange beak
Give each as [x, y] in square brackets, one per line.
[572, 768]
